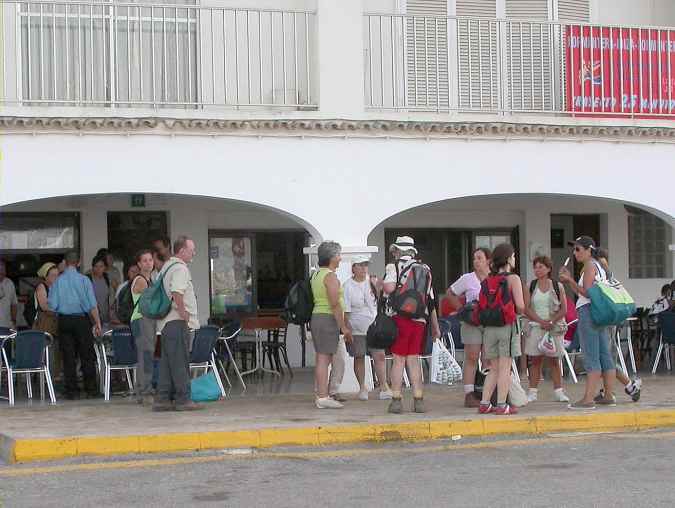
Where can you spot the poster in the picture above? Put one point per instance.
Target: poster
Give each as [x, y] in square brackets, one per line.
[231, 275]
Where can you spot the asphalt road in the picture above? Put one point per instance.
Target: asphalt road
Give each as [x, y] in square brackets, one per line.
[614, 470]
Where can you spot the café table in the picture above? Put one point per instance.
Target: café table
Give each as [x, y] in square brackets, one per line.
[258, 325]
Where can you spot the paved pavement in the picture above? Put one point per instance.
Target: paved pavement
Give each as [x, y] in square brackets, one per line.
[614, 470]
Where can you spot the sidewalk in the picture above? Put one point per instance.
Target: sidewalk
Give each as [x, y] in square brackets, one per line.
[262, 418]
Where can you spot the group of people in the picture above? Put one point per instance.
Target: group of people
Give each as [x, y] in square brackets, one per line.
[490, 302]
[75, 308]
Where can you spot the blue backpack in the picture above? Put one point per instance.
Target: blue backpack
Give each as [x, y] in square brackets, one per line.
[154, 303]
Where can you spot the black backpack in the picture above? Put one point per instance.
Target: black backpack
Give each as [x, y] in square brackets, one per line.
[382, 332]
[556, 287]
[30, 309]
[299, 303]
[124, 303]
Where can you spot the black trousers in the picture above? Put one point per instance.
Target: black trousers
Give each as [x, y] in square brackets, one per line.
[76, 339]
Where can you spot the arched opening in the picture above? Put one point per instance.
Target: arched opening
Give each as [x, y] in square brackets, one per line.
[447, 231]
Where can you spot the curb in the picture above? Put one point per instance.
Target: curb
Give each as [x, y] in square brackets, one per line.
[20, 450]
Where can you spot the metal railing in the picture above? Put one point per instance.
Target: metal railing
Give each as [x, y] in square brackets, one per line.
[156, 55]
[465, 64]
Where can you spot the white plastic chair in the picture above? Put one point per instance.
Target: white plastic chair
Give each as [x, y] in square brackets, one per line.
[226, 342]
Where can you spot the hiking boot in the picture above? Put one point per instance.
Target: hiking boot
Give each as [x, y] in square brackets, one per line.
[328, 403]
[160, 407]
[470, 400]
[581, 405]
[633, 389]
[395, 406]
[418, 405]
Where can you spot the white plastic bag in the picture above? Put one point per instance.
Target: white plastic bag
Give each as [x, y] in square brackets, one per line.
[517, 396]
[444, 368]
[546, 345]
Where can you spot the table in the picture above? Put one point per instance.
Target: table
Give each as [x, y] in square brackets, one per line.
[257, 325]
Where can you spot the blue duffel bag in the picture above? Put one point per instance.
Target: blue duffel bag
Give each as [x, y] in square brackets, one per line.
[205, 388]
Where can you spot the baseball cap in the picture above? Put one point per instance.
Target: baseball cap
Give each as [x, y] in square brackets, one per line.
[357, 260]
[584, 241]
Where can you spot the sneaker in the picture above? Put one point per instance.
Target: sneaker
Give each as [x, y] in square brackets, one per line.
[506, 409]
[328, 403]
[338, 397]
[189, 406]
[418, 405]
[600, 396]
[532, 395]
[485, 408]
[395, 406]
[386, 395]
[470, 400]
[581, 405]
[560, 396]
[363, 395]
[607, 401]
[633, 389]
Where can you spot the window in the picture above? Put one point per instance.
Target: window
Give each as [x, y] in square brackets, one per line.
[129, 232]
[648, 241]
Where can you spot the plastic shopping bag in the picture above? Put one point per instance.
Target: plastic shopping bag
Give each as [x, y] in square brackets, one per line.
[444, 368]
[517, 396]
[546, 345]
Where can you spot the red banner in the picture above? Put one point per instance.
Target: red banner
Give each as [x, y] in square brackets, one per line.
[621, 71]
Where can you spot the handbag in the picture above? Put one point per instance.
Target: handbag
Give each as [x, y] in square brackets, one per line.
[205, 388]
[611, 304]
[382, 332]
[444, 368]
[47, 321]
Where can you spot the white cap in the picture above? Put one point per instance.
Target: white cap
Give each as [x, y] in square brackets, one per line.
[404, 243]
[357, 260]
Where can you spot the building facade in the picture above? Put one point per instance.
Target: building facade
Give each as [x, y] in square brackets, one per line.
[261, 128]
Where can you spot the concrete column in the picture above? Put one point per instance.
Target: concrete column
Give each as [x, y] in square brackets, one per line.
[535, 240]
[340, 56]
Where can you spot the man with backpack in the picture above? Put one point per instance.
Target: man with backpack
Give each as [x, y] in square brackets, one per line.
[407, 283]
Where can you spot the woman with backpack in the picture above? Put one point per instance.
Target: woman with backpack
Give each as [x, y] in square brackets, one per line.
[598, 359]
[499, 303]
[46, 319]
[545, 307]
[143, 328]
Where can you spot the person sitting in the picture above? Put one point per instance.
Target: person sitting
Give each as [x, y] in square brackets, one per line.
[663, 302]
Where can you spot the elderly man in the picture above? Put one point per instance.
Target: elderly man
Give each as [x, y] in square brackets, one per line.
[72, 298]
[8, 302]
[176, 329]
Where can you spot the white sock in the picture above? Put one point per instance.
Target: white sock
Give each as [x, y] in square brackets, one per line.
[533, 390]
[469, 389]
[558, 390]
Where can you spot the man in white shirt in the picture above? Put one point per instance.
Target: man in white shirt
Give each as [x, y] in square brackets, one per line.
[8, 301]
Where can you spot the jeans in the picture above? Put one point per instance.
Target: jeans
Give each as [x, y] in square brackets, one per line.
[174, 365]
[594, 343]
[143, 330]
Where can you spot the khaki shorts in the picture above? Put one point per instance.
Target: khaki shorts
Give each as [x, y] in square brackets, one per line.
[471, 334]
[501, 342]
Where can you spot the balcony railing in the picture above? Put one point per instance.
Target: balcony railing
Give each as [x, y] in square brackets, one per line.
[463, 64]
[153, 55]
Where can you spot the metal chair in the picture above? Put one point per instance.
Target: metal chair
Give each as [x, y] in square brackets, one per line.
[31, 355]
[626, 325]
[5, 333]
[203, 354]
[276, 344]
[567, 360]
[121, 355]
[667, 339]
[228, 354]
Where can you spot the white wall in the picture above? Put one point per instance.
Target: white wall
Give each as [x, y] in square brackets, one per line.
[633, 12]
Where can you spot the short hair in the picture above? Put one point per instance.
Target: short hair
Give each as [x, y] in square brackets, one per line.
[666, 290]
[484, 250]
[543, 260]
[501, 255]
[327, 251]
[180, 242]
[99, 258]
[102, 252]
[72, 257]
[164, 240]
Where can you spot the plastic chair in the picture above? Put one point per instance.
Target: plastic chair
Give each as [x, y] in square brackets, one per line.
[203, 354]
[5, 333]
[567, 360]
[31, 355]
[122, 355]
[667, 340]
[228, 354]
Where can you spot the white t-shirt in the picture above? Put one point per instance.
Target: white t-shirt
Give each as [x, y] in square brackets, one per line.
[467, 285]
[178, 279]
[7, 299]
[600, 275]
[361, 305]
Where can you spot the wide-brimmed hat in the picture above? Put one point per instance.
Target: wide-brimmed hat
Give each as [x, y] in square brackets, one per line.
[357, 260]
[404, 243]
[44, 269]
[584, 241]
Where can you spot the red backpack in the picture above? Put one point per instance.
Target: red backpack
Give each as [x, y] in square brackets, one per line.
[495, 304]
[410, 299]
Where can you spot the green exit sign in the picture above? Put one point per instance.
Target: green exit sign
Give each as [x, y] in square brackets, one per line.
[138, 200]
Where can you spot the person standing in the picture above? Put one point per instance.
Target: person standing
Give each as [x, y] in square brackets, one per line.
[467, 288]
[161, 252]
[176, 330]
[328, 320]
[360, 311]
[102, 288]
[8, 300]
[143, 328]
[545, 307]
[114, 276]
[408, 280]
[598, 359]
[72, 298]
[46, 319]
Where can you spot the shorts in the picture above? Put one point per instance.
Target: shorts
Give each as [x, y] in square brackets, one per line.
[410, 338]
[535, 333]
[501, 342]
[472, 335]
[358, 348]
[325, 333]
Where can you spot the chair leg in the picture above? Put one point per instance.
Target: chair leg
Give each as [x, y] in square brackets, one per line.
[107, 383]
[658, 357]
[129, 383]
[42, 386]
[224, 371]
[666, 353]
[514, 369]
[569, 366]
[215, 372]
[50, 385]
[29, 386]
[10, 385]
[288, 364]
[234, 364]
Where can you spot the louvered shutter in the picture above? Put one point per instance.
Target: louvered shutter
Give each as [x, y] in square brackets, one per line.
[427, 54]
[578, 11]
[478, 55]
[529, 43]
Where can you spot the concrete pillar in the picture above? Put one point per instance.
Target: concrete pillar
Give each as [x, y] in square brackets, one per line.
[340, 56]
[535, 240]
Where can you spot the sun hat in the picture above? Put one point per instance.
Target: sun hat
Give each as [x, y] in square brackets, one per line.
[44, 269]
[584, 241]
[404, 243]
[357, 260]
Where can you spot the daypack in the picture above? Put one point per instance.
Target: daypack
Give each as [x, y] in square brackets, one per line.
[556, 287]
[382, 332]
[495, 304]
[410, 299]
[154, 303]
[30, 307]
[299, 303]
[124, 303]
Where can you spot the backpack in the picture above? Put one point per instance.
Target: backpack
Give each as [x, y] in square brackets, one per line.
[299, 303]
[556, 287]
[410, 300]
[495, 304]
[30, 307]
[382, 332]
[124, 303]
[154, 303]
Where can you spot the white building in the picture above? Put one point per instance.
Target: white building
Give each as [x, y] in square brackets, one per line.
[261, 127]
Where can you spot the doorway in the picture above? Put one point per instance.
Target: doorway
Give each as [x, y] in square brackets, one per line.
[129, 232]
[565, 228]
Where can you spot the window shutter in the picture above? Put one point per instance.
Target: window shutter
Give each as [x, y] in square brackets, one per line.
[574, 10]
[529, 42]
[427, 54]
[478, 54]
